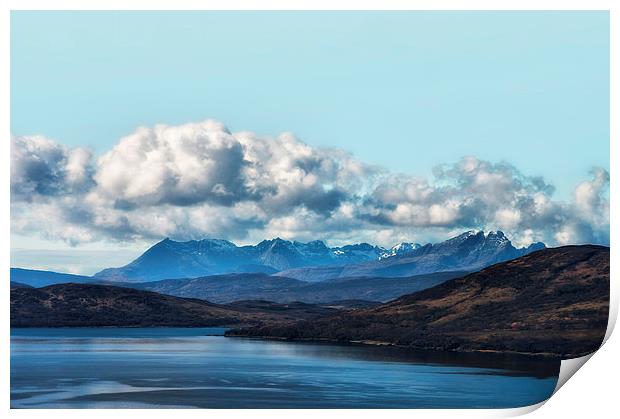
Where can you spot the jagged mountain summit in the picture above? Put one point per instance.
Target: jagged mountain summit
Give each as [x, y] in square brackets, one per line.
[315, 261]
[470, 251]
[172, 259]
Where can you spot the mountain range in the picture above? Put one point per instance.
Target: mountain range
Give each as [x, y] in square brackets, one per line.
[172, 259]
[470, 251]
[315, 261]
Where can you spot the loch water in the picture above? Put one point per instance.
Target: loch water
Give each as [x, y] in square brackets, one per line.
[200, 368]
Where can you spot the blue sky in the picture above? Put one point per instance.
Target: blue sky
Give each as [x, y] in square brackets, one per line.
[404, 90]
[407, 90]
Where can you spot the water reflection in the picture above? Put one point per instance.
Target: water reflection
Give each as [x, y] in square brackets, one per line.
[514, 364]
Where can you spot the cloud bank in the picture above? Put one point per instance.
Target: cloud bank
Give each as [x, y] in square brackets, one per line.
[200, 180]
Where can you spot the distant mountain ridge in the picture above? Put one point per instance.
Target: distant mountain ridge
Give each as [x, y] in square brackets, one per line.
[315, 261]
[470, 251]
[227, 288]
[36, 278]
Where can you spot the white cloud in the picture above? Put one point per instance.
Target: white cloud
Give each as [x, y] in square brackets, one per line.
[41, 167]
[588, 198]
[198, 180]
[507, 218]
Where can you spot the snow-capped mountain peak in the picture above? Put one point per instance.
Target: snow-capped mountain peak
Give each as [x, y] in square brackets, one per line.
[400, 250]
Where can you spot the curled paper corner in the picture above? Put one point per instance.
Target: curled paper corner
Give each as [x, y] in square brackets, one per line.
[569, 367]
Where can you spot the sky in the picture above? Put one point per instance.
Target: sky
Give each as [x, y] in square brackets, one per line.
[428, 104]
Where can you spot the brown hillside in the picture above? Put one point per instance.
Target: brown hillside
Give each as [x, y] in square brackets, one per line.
[553, 301]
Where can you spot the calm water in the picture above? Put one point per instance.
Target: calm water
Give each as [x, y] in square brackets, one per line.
[171, 367]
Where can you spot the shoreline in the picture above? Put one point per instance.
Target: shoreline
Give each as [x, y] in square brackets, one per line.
[223, 326]
[376, 343]
[367, 343]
